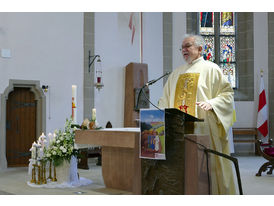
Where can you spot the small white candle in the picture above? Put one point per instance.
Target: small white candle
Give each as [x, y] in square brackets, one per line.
[41, 153]
[38, 151]
[54, 137]
[93, 118]
[33, 150]
[74, 103]
[41, 139]
[49, 138]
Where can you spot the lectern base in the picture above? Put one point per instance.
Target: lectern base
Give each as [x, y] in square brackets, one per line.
[183, 172]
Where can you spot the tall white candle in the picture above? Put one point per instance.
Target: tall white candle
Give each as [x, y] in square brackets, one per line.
[74, 103]
[93, 118]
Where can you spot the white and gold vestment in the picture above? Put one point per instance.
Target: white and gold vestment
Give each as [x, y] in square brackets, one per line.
[203, 81]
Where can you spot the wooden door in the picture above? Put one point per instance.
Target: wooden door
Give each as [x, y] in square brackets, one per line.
[20, 126]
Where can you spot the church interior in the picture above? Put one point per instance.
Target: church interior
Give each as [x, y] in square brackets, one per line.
[49, 58]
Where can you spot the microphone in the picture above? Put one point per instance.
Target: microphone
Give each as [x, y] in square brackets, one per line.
[155, 80]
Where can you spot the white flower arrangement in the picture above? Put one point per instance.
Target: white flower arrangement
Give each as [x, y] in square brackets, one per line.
[61, 146]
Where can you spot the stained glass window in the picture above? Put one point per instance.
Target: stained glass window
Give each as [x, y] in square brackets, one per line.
[229, 72]
[206, 22]
[225, 33]
[209, 49]
[227, 25]
[227, 49]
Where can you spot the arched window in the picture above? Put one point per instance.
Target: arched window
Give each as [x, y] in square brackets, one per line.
[219, 32]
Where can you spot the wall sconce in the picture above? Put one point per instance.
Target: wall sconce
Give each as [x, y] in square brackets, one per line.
[45, 88]
[98, 70]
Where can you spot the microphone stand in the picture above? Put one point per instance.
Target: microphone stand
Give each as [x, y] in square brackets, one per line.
[146, 85]
[233, 159]
[146, 98]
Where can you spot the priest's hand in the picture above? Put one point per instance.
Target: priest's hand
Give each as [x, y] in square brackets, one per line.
[204, 105]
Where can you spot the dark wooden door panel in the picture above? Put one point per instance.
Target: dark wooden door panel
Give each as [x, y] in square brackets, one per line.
[20, 126]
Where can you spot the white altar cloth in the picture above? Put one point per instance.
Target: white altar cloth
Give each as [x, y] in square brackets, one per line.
[123, 129]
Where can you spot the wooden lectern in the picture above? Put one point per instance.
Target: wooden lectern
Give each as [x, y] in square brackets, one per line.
[183, 172]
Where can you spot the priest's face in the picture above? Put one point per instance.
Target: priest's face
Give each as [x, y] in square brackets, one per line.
[189, 50]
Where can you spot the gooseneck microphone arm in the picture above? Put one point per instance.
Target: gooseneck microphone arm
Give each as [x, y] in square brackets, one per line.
[156, 80]
[146, 85]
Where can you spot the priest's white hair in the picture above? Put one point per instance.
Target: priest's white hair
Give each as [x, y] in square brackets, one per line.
[198, 40]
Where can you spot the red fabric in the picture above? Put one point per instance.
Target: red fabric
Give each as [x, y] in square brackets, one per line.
[263, 129]
[131, 26]
[269, 151]
[265, 144]
[262, 116]
[262, 100]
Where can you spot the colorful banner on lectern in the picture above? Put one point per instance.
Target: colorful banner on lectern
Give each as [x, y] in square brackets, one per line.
[152, 136]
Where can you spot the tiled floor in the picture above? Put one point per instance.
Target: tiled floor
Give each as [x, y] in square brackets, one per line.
[14, 181]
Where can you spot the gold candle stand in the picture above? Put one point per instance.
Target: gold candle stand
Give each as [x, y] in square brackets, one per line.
[43, 172]
[33, 175]
[39, 182]
[54, 173]
[39, 170]
[50, 164]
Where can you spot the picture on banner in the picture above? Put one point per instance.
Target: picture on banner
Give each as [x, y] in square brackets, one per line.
[152, 136]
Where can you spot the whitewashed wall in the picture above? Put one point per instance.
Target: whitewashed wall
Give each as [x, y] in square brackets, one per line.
[47, 47]
[113, 44]
[179, 31]
[153, 52]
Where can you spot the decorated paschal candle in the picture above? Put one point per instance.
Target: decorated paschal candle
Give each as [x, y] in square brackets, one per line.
[74, 103]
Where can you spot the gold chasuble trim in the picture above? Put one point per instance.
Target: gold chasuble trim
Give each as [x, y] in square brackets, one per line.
[186, 90]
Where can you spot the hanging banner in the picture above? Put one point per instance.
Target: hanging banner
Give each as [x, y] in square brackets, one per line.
[152, 135]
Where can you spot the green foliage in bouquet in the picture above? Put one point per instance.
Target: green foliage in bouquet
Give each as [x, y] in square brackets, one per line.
[61, 148]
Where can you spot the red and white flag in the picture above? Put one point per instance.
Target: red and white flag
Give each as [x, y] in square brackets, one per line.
[262, 111]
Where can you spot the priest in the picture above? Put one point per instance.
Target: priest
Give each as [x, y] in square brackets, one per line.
[200, 89]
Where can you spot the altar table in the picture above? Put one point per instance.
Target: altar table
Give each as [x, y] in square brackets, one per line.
[120, 156]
